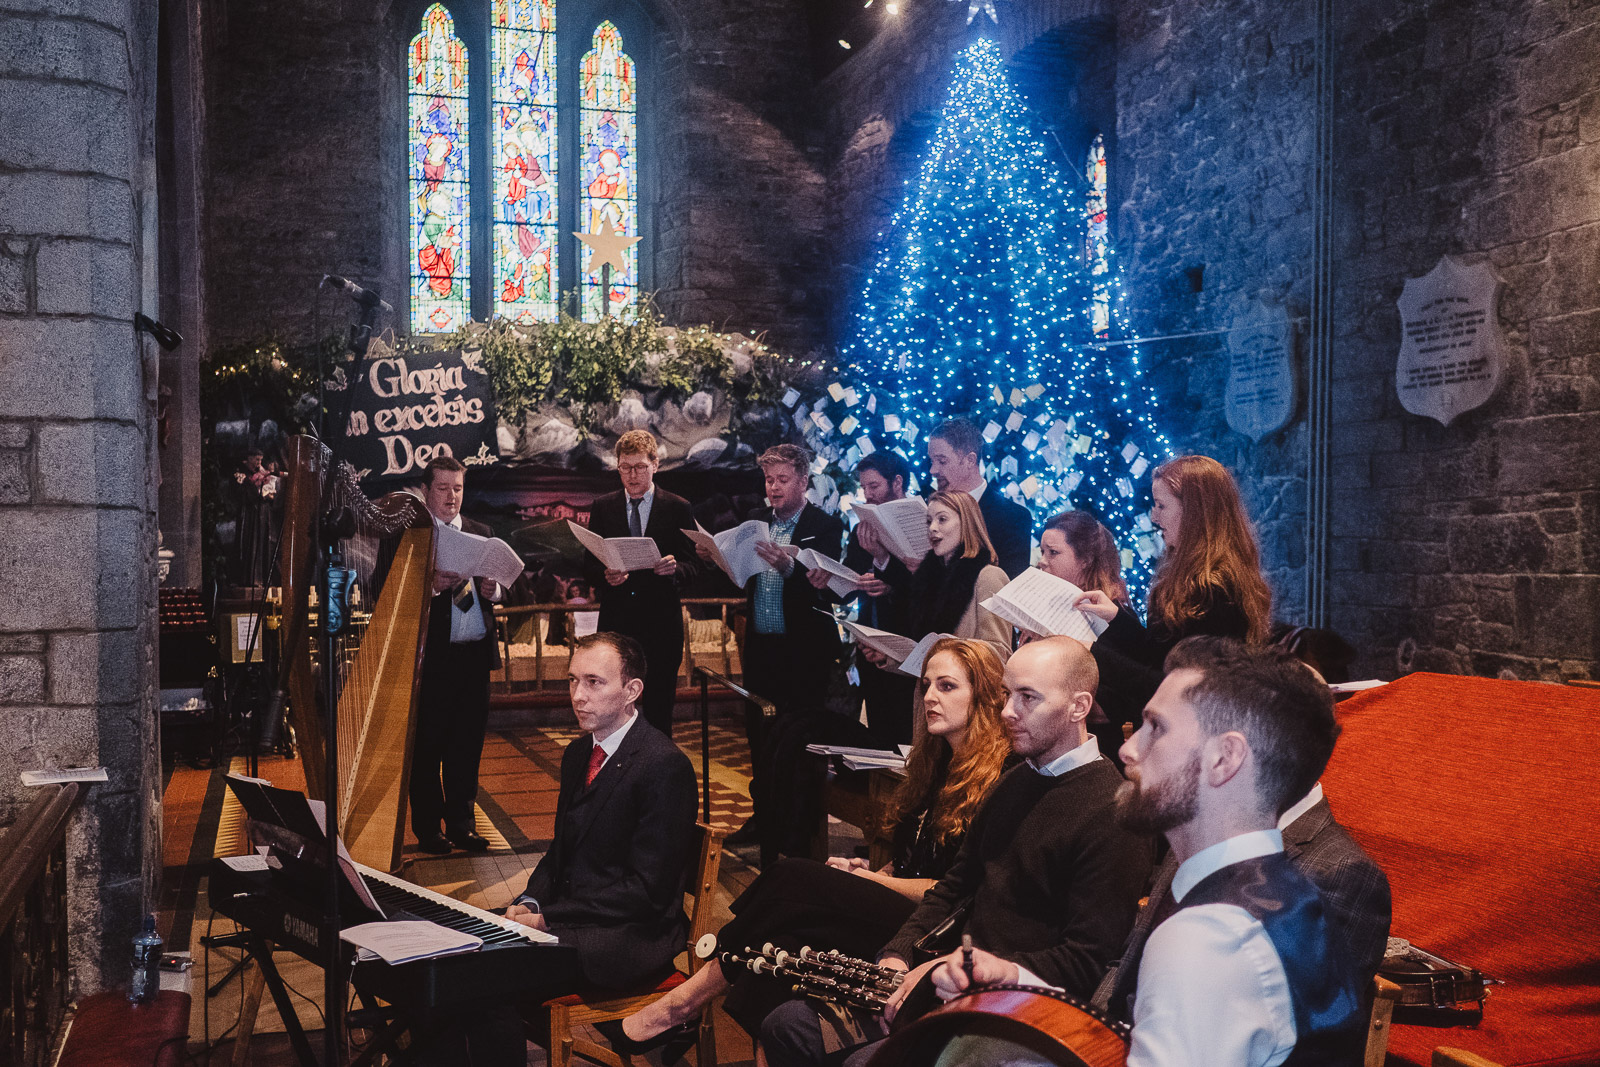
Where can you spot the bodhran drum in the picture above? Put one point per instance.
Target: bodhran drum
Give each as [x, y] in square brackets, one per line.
[1008, 1026]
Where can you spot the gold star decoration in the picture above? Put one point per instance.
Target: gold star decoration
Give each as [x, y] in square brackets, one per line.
[606, 246]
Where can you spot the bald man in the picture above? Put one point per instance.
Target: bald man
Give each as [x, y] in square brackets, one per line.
[1050, 880]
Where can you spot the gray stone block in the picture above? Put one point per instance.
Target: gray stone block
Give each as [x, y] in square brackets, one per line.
[92, 463]
[86, 278]
[47, 556]
[72, 369]
[66, 205]
[21, 679]
[16, 476]
[96, 668]
[70, 50]
[73, 128]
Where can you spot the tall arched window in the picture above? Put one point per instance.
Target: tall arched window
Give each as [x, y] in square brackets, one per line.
[1094, 250]
[439, 186]
[555, 148]
[608, 119]
[526, 174]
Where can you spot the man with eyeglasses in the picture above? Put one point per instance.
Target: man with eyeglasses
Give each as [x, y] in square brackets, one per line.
[644, 604]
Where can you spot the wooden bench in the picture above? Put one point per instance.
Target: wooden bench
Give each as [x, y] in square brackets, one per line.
[109, 1030]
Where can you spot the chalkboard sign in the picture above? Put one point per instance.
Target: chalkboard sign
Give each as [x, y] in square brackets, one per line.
[406, 409]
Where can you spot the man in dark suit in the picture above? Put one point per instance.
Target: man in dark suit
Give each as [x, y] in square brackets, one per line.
[884, 596]
[955, 454]
[644, 604]
[612, 883]
[789, 646]
[453, 697]
[1353, 887]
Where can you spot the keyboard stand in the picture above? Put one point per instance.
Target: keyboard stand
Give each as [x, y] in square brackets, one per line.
[258, 950]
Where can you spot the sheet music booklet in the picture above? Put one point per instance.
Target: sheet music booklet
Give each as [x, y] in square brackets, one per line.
[470, 555]
[618, 553]
[1039, 601]
[912, 664]
[735, 550]
[842, 581]
[902, 526]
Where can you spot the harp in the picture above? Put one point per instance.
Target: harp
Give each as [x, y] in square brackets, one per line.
[388, 543]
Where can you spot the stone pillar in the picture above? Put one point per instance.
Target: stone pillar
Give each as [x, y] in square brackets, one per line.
[77, 483]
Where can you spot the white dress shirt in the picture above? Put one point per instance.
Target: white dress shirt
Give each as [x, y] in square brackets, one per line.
[466, 623]
[646, 502]
[610, 745]
[1305, 804]
[1212, 990]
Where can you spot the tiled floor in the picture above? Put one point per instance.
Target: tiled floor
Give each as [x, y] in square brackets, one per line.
[518, 786]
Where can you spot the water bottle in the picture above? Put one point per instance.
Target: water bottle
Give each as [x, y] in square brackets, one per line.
[146, 963]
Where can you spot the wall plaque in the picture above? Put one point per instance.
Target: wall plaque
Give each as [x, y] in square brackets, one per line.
[1262, 383]
[1452, 347]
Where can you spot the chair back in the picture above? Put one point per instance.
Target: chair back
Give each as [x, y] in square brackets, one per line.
[702, 891]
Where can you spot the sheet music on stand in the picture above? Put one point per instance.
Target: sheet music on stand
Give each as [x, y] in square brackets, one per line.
[902, 526]
[1038, 601]
[291, 823]
[618, 553]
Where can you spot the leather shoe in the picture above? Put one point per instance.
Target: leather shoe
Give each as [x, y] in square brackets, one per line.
[674, 1041]
[469, 841]
[434, 843]
[748, 834]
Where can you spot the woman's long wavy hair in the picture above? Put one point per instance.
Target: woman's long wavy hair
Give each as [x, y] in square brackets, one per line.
[1096, 550]
[972, 774]
[1217, 553]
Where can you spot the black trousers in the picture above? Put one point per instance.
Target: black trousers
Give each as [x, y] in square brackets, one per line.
[661, 636]
[890, 698]
[452, 713]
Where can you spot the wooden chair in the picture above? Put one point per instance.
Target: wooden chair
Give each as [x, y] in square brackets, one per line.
[581, 1009]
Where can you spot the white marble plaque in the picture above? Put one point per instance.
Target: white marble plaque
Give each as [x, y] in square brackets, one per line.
[1262, 383]
[1452, 347]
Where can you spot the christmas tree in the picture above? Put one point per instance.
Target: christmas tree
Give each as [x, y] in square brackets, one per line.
[989, 300]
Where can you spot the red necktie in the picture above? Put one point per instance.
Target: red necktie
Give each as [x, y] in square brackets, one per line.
[596, 759]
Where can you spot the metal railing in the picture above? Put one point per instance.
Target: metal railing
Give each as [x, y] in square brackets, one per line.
[508, 618]
[33, 926]
[707, 678]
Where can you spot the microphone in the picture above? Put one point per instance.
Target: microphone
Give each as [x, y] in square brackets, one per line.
[364, 297]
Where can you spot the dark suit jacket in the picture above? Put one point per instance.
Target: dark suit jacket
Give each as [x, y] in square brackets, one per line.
[612, 883]
[1353, 888]
[1010, 528]
[439, 611]
[812, 634]
[886, 612]
[646, 596]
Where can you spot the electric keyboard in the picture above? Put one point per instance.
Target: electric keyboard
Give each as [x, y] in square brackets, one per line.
[516, 961]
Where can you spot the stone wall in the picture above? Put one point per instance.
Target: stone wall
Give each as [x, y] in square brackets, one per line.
[1471, 129]
[307, 164]
[77, 492]
[1462, 128]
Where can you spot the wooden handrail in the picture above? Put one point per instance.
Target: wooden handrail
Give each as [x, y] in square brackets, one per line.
[768, 709]
[28, 842]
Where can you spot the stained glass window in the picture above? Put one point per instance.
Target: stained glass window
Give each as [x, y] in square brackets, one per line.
[609, 170]
[438, 168]
[1094, 250]
[523, 117]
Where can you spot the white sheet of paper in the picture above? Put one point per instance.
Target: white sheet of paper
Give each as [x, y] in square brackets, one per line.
[912, 664]
[70, 774]
[735, 550]
[842, 581]
[1039, 601]
[252, 862]
[1354, 687]
[319, 809]
[618, 553]
[848, 750]
[470, 555]
[397, 941]
[894, 646]
[902, 526]
[873, 763]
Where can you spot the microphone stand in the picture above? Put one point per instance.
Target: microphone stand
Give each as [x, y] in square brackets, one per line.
[333, 584]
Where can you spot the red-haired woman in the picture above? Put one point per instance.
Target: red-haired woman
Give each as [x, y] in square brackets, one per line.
[845, 905]
[1209, 582]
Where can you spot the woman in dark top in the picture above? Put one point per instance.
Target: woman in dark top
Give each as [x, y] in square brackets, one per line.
[1209, 582]
[844, 904]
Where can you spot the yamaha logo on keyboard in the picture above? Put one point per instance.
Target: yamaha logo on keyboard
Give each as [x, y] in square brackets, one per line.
[296, 927]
